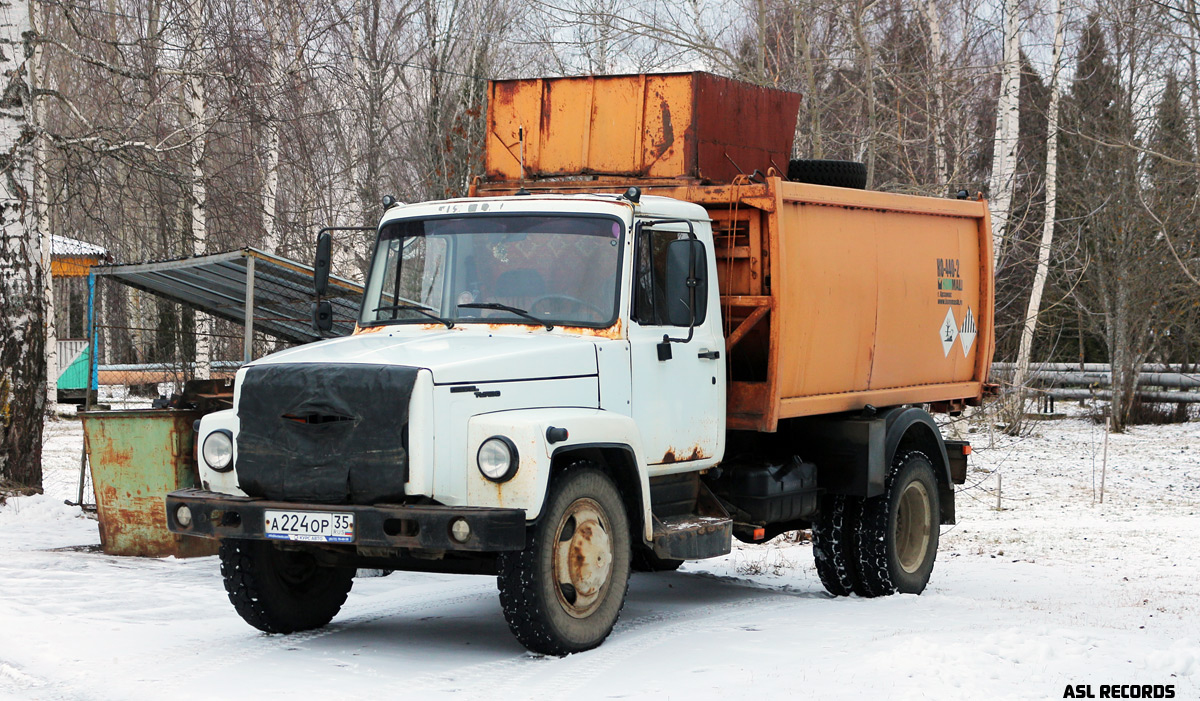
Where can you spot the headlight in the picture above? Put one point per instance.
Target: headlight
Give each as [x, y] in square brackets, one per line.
[497, 459]
[218, 450]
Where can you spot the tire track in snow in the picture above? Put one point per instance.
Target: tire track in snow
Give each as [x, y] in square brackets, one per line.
[222, 652]
[507, 678]
[640, 636]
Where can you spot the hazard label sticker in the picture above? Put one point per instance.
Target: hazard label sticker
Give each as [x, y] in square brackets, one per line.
[967, 332]
[948, 332]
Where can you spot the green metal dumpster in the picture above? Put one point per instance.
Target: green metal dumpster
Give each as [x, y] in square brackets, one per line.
[137, 457]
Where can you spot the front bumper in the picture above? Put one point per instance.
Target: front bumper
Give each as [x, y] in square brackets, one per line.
[217, 515]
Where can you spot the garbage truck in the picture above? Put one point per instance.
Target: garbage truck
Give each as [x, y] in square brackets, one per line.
[645, 332]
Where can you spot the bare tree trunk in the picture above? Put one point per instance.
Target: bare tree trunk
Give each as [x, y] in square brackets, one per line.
[359, 168]
[270, 163]
[760, 62]
[1043, 262]
[936, 59]
[22, 334]
[195, 108]
[1004, 156]
[1193, 22]
[1122, 361]
[41, 204]
[867, 55]
[802, 26]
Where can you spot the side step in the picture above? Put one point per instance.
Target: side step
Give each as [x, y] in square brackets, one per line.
[695, 536]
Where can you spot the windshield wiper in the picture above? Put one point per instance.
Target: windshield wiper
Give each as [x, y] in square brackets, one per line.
[415, 308]
[506, 308]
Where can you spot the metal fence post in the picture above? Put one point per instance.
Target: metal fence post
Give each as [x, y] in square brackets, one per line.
[248, 340]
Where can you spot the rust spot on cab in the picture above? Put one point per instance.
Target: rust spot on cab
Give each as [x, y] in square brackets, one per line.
[613, 332]
[673, 456]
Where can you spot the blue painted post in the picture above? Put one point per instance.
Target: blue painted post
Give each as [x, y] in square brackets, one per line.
[93, 383]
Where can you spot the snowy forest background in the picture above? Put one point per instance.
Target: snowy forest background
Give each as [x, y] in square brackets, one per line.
[172, 127]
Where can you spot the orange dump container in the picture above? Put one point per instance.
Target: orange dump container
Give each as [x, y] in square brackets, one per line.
[677, 125]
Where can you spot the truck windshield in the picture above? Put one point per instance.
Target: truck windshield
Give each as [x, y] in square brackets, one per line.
[555, 269]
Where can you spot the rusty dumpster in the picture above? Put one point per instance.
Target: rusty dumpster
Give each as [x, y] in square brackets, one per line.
[137, 457]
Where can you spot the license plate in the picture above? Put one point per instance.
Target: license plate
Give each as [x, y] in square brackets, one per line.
[313, 526]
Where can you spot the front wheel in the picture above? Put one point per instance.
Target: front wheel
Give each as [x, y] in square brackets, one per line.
[898, 535]
[564, 591]
[282, 591]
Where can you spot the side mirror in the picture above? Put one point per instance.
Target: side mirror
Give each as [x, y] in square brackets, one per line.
[322, 262]
[322, 316]
[686, 285]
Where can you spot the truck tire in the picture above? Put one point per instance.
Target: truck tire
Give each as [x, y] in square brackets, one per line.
[281, 591]
[850, 174]
[898, 536]
[644, 560]
[564, 591]
[835, 546]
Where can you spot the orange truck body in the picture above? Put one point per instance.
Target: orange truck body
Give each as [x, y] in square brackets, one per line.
[832, 298]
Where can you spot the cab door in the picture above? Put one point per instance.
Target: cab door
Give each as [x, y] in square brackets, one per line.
[678, 392]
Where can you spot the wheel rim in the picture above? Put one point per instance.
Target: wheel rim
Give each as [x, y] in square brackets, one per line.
[583, 558]
[913, 527]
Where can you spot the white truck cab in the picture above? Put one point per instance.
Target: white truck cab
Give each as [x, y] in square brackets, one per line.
[501, 341]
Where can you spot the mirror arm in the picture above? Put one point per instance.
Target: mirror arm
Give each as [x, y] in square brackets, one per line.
[321, 281]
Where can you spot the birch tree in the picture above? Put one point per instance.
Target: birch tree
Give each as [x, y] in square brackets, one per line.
[22, 334]
[41, 197]
[933, 18]
[195, 107]
[270, 146]
[1004, 154]
[1020, 377]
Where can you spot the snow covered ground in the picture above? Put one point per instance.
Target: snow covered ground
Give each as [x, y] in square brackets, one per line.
[1053, 590]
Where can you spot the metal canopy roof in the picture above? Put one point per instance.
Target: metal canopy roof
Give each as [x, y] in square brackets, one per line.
[282, 295]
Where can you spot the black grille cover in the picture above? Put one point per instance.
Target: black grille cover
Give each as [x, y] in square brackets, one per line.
[324, 432]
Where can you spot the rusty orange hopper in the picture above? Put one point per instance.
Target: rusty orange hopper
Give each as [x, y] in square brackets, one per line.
[678, 125]
[832, 298]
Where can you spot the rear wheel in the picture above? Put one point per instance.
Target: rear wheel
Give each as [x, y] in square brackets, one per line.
[835, 545]
[282, 591]
[564, 591]
[898, 536]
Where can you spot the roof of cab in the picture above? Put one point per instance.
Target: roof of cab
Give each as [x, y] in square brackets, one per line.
[650, 206]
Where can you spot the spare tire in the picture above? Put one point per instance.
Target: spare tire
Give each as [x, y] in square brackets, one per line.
[836, 173]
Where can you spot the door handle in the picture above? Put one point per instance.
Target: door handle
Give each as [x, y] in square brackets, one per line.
[709, 355]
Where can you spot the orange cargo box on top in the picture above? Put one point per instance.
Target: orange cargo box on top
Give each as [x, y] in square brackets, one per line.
[678, 125]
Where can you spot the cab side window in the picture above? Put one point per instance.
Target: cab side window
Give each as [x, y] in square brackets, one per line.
[650, 274]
